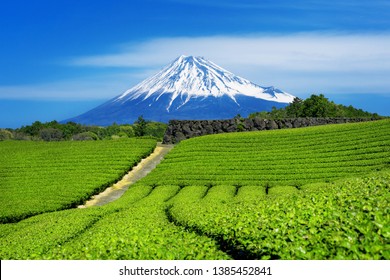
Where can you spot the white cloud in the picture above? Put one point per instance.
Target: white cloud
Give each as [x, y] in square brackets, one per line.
[91, 88]
[299, 63]
[299, 52]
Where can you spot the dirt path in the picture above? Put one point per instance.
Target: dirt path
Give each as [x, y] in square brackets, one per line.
[138, 172]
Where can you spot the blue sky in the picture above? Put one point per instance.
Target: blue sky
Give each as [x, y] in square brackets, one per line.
[61, 58]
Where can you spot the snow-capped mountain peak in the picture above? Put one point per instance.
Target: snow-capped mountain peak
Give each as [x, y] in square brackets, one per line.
[193, 77]
[190, 88]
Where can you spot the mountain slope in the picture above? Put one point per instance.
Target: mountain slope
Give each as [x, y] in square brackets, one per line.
[189, 88]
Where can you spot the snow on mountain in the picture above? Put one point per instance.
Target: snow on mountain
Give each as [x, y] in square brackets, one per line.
[188, 88]
[190, 76]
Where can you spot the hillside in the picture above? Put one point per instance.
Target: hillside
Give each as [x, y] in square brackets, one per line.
[286, 157]
[39, 177]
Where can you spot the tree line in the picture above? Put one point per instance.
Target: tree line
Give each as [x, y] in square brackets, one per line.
[55, 131]
[316, 106]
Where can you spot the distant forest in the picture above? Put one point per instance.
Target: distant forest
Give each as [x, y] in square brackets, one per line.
[55, 131]
[315, 106]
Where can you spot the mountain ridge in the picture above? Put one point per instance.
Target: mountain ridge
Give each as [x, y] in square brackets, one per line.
[188, 88]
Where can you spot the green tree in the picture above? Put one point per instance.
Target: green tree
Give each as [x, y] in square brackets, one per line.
[127, 129]
[51, 134]
[140, 126]
[71, 128]
[294, 109]
[113, 129]
[33, 129]
[277, 114]
[318, 106]
[156, 129]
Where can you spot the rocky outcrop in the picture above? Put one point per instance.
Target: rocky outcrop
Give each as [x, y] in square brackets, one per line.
[181, 130]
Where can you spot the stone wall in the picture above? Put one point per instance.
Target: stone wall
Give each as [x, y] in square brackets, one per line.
[180, 130]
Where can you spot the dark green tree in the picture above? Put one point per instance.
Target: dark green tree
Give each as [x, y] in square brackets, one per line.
[33, 129]
[51, 134]
[277, 114]
[113, 129]
[294, 109]
[71, 128]
[156, 129]
[140, 126]
[318, 106]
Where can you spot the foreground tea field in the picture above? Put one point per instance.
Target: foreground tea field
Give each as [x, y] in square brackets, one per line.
[134, 227]
[226, 210]
[37, 177]
[348, 219]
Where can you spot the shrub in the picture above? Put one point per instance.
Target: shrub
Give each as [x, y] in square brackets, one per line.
[5, 135]
[85, 136]
[51, 134]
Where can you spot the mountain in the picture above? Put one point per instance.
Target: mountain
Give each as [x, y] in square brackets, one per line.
[188, 88]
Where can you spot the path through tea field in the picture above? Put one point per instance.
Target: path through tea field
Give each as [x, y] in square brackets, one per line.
[138, 172]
